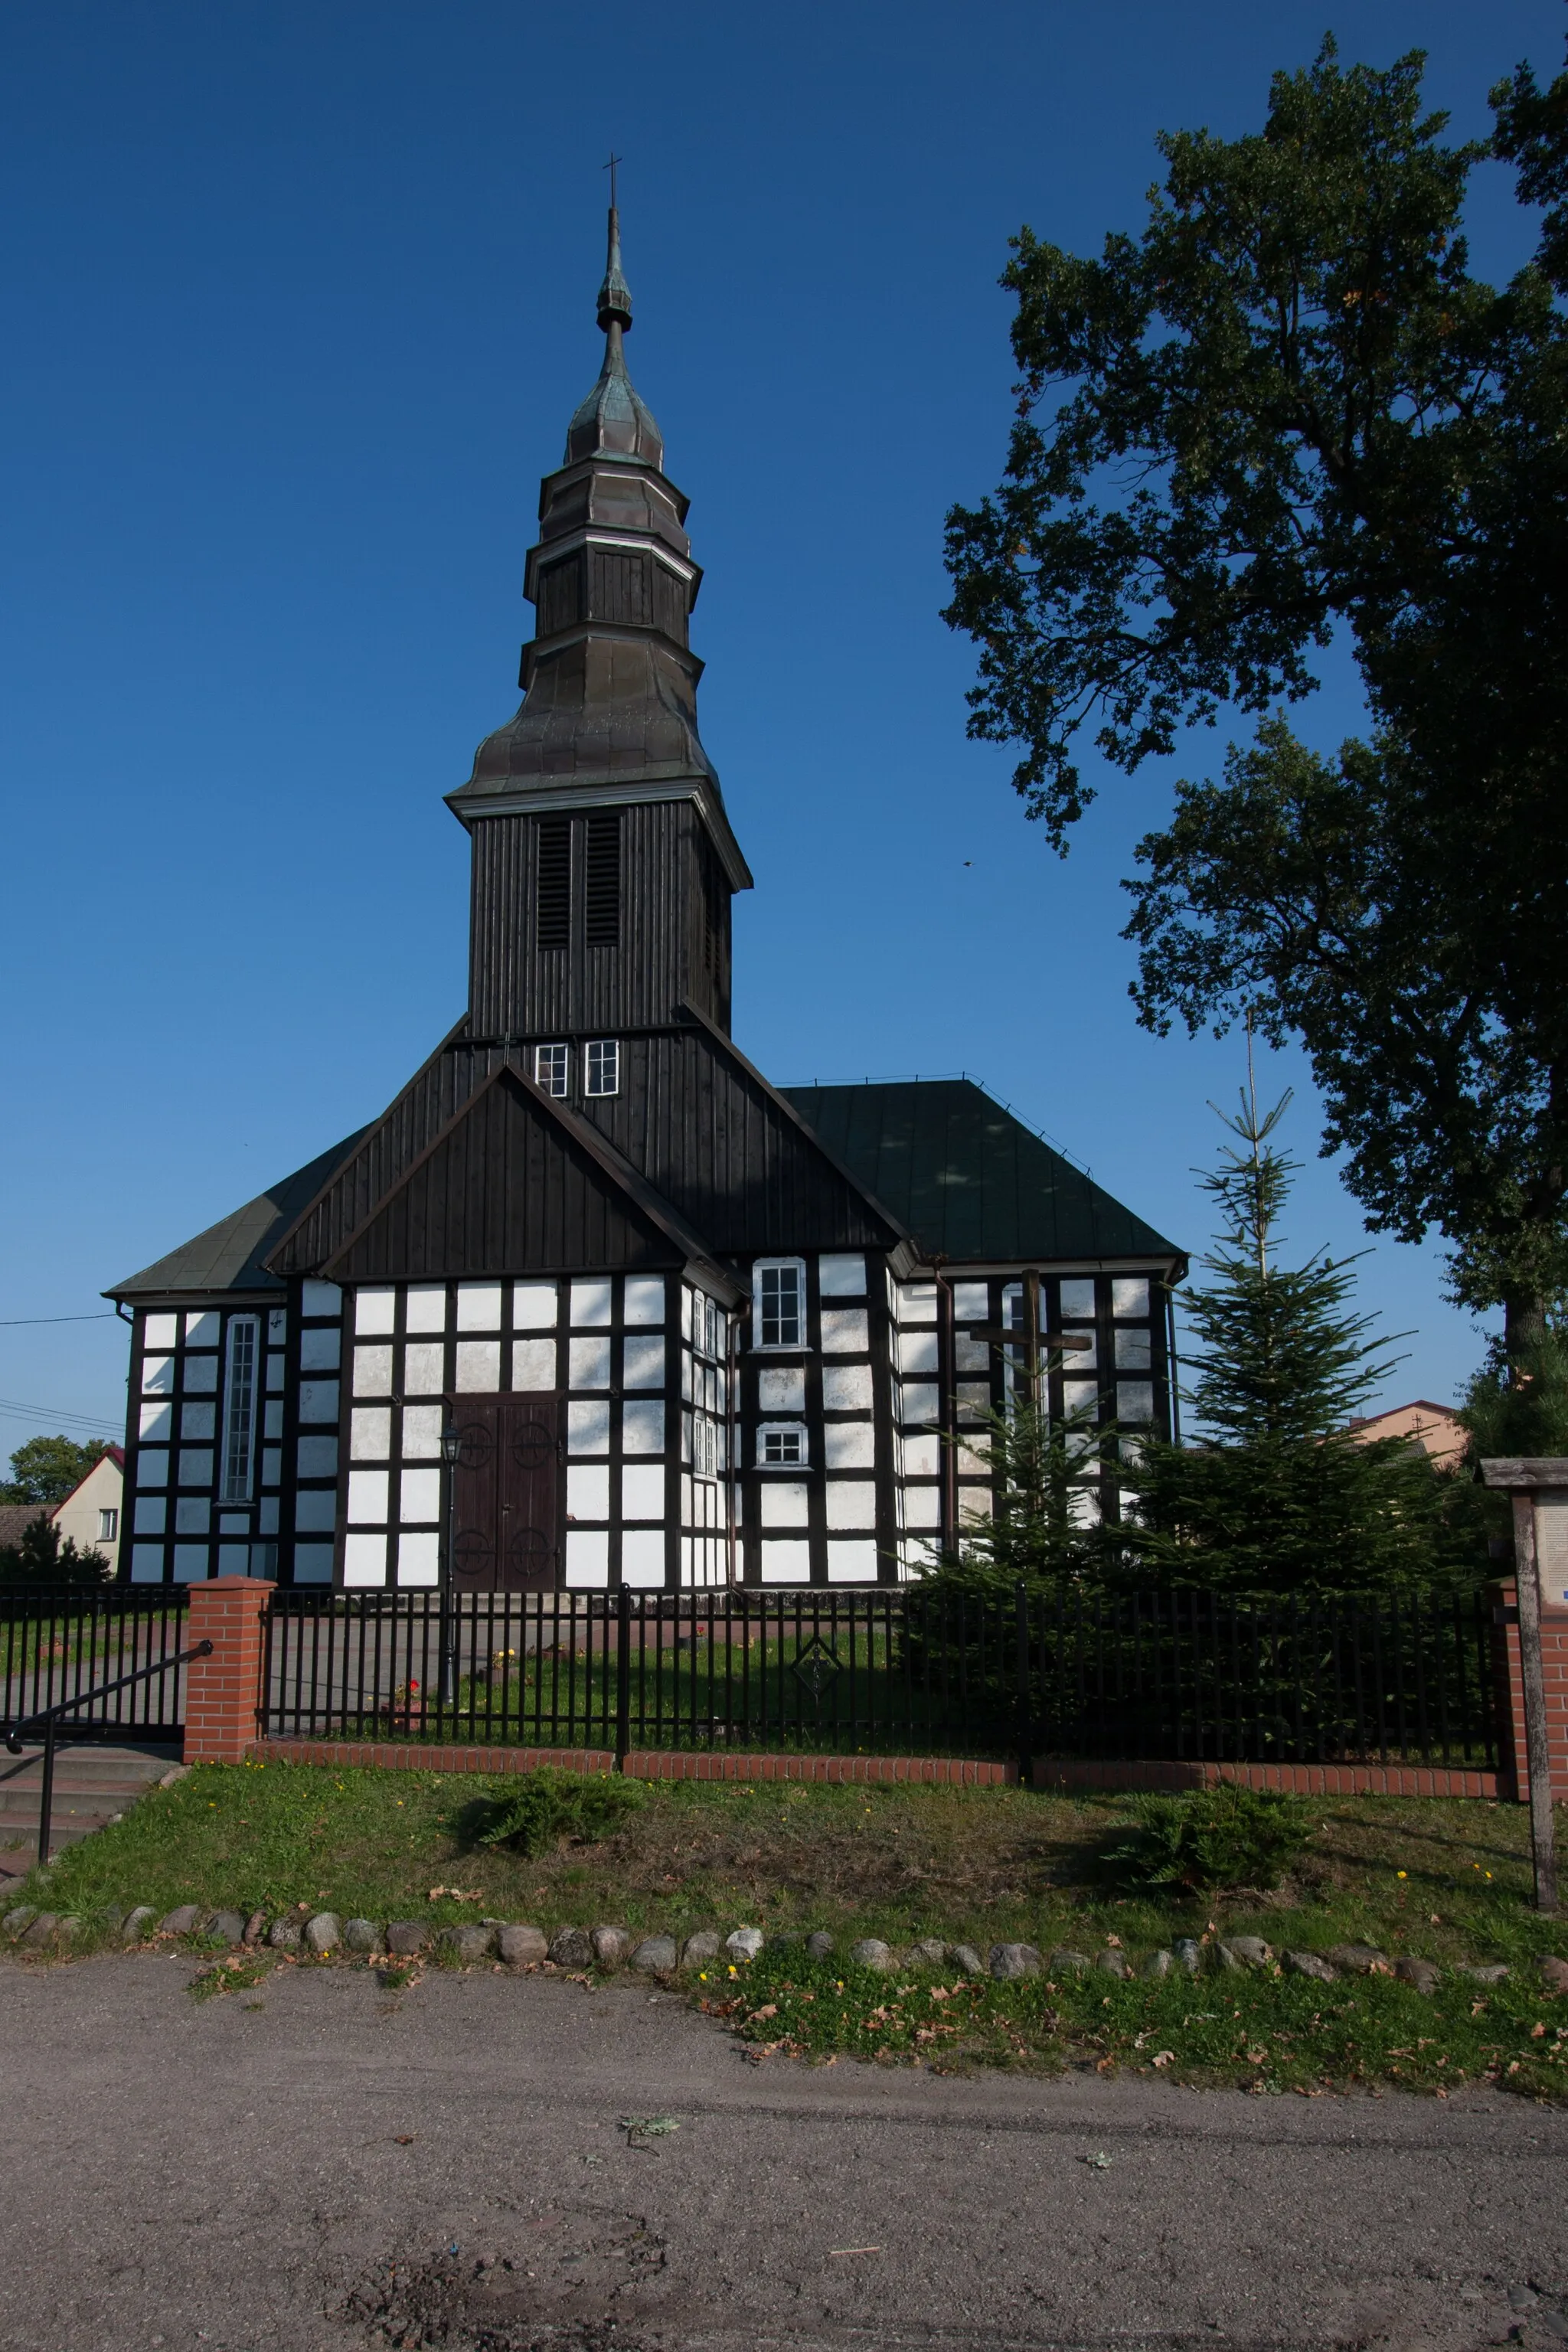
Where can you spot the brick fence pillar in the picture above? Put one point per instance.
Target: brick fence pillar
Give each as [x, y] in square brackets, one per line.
[1513, 1756]
[223, 1693]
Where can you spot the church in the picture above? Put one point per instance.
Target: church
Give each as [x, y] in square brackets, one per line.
[593, 1304]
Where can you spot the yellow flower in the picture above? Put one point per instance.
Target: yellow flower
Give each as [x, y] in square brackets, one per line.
[1400, 1873]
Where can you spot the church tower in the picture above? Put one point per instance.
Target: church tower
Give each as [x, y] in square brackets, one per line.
[603, 860]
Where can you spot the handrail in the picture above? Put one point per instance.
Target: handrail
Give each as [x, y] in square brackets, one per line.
[49, 1716]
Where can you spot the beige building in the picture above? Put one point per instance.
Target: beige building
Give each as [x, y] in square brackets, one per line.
[1430, 1426]
[89, 1514]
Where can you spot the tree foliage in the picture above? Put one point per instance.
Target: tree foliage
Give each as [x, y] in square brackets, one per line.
[44, 1470]
[1289, 408]
[1045, 1516]
[41, 1556]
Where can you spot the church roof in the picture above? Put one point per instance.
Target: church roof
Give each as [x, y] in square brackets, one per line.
[972, 1182]
[230, 1255]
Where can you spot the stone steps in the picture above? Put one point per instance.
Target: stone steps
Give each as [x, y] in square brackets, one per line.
[94, 1782]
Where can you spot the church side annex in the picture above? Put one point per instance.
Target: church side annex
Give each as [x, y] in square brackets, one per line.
[593, 1304]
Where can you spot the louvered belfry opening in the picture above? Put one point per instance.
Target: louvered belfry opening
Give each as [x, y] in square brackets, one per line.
[601, 922]
[553, 903]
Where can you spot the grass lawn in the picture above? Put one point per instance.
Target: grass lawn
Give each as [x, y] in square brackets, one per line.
[1446, 1880]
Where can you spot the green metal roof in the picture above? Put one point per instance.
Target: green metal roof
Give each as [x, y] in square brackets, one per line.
[972, 1182]
[229, 1255]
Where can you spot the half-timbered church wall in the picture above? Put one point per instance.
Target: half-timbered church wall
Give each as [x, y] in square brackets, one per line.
[593, 1304]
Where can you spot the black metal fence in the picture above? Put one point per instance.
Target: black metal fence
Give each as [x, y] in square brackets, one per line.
[57, 1642]
[1403, 1677]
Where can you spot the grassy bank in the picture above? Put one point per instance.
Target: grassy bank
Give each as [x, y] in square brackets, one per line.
[1448, 1881]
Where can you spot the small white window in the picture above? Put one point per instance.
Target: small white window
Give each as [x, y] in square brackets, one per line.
[552, 1068]
[604, 1070]
[706, 1457]
[108, 1526]
[239, 1410]
[779, 1302]
[780, 1443]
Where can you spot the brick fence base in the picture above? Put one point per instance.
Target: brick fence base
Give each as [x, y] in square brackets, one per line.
[931, 1771]
[1304, 1779]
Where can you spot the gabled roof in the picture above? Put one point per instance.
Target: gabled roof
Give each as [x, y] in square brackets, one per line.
[114, 1453]
[230, 1256]
[972, 1182]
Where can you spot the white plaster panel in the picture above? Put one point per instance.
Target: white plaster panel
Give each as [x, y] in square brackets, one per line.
[160, 1331]
[783, 1504]
[419, 1560]
[198, 1420]
[588, 1428]
[370, 1437]
[424, 1367]
[1129, 1295]
[272, 1465]
[147, 1563]
[642, 1491]
[201, 1374]
[234, 1560]
[313, 1563]
[201, 1331]
[158, 1375]
[591, 1304]
[642, 1361]
[917, 1302]
[780, 1388]
[852, 1564]
[152, 1515]
[376, 1312]
[588, 1364]
[534, 1306]
[642, 1558]
[917, 1352]
[846, 1388]
[193, 1516]
[315, 1508]
[373, 1371]
[974, 1399]
[922, 1506]
[533, 1363]
[318, 1399]
[478, 1307]
[842, 1275]
[971, 1355]
[158, 1423]
[851, 1503]
[922, 1457]
[477, 1366]
[587, 1558]
[1132, 1351]
[234, 1523]
[320, 1298]
[277, 1326]
[1077, 1299]
[919, 1402]
[975, 1458]
[272, 1417]
[975, 1502]
[786, 1562]
[419, 1497]
[320, 1349]
[1135, 1401]
[266, 1516]
[972, 1302]
[191, 1562]
[644, 1302]
[849, 1446]
[365, 1559]
[421, 1432]
[845, 1331]
[424, 1306]
[642, 1426]
[318, 1457]
[196, 1466]
[277, 1370]
[1080, 1398]
[587, 1492]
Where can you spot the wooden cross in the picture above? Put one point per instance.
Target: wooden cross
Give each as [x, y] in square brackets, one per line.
[1029, 1336]
[610, 167]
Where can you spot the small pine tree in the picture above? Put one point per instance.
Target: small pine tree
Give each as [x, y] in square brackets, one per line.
[40, 1557]
[1045, 1516]
[1275, 1493]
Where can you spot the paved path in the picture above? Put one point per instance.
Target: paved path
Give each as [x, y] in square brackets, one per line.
[183, 2175]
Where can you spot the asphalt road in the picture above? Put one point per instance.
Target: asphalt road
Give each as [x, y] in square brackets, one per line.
[339, 2167]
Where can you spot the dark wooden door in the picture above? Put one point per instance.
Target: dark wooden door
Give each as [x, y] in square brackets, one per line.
[505, 1491]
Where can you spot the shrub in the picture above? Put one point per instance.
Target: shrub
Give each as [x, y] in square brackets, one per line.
[1226, 1836]
[552, 1809]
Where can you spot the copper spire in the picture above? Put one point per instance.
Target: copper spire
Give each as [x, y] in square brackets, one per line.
[615, 294]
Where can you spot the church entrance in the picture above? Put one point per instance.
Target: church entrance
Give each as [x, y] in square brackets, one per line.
[505, 1490]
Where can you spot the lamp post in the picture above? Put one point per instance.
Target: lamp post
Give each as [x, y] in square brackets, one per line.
[1539, 1486]
[452, 1454]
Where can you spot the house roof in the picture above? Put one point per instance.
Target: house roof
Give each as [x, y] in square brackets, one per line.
[973, 1184]
[114, 1453]
[15, 1518]
[230, 1255]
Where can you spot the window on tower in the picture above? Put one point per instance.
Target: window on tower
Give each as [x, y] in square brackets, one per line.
[603, 891]
[552, 896]
[779, 1302]
[602, 1074]
[240, 1411]
[552, 1068]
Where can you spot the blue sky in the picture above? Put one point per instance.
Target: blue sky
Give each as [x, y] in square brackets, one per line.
[298, 301]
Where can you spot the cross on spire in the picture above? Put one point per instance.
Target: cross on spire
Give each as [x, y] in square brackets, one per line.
[610, 167]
